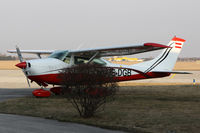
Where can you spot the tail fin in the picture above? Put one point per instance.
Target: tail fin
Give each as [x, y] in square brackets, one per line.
[167, 59]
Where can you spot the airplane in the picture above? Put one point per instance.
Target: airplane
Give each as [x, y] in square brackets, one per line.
[45, 71]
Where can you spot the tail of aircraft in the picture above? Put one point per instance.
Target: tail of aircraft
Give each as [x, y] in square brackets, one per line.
[166, 60]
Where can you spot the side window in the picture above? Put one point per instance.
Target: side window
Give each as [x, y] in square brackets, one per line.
[67, 59]
[99, 61]
[79, 60]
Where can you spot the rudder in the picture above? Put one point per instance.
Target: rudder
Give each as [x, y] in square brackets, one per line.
[167, 59]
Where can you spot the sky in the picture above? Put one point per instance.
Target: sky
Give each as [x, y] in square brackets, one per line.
[81, 24]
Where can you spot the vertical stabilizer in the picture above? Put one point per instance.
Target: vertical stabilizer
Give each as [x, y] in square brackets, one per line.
[167, 59]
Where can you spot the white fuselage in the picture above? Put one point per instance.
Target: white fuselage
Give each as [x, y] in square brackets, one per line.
[47, 70]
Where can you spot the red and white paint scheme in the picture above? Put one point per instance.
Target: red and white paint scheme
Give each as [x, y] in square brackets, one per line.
[46, 71]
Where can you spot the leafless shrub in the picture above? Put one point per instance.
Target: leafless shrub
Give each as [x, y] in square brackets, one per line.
[89, 87]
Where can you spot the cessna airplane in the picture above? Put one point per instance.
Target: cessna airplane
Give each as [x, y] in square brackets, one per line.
[46, 71]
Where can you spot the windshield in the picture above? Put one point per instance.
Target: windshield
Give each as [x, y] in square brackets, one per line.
[59, 55]
[66, 57]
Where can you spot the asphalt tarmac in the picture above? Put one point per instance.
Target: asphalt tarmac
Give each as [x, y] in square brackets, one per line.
[24, 124]
[6, 94]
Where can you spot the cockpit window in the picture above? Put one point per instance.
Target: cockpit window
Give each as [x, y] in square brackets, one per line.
[59, 55]
[67, 59]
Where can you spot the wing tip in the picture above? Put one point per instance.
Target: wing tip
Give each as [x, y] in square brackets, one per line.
[156, 45]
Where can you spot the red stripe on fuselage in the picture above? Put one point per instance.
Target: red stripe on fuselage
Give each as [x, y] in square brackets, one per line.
[47, 78]
[56, 80]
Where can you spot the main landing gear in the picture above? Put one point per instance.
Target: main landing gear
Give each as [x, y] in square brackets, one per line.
[56, 90]
[47, 93]
[41, 93]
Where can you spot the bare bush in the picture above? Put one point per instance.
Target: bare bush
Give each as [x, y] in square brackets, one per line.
[89, 87]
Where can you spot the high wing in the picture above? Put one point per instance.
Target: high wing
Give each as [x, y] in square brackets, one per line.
[118, 51]
[103, 52]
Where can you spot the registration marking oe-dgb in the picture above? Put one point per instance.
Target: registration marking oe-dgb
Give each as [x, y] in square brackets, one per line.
[122, 72]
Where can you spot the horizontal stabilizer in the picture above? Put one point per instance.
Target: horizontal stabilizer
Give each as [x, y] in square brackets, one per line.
[32, 51]
[173, 72]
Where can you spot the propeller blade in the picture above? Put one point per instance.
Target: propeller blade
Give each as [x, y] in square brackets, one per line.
[28, 82]
[26, 78]
[21, 60]
[19, 54]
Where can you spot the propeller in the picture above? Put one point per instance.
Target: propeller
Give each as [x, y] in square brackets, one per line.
[21, 61]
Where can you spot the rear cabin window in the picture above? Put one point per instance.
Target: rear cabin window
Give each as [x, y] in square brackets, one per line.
[81, 60]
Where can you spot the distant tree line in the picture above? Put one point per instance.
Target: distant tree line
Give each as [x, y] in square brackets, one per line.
[189, 59]
[5, 57]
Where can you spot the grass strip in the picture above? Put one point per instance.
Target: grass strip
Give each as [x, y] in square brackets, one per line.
[138, 109]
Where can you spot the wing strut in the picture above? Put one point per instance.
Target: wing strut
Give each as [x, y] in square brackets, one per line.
[91, 59]
[72, 60]
[39, 55]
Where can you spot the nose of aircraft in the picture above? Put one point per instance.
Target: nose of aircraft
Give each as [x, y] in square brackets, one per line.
[21, 65]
